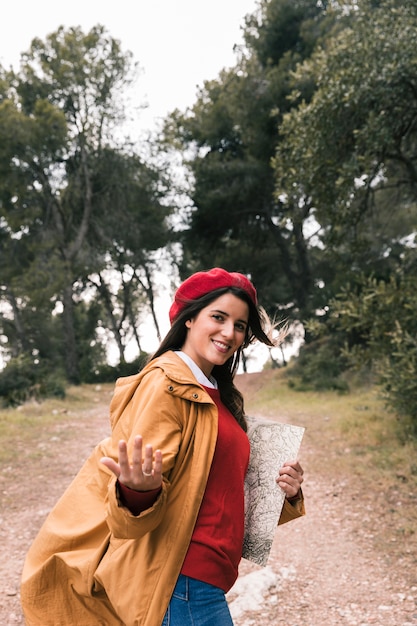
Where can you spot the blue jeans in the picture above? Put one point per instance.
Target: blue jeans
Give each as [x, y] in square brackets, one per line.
[195, 603]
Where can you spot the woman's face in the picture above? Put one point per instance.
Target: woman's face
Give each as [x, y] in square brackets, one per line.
[216, 332]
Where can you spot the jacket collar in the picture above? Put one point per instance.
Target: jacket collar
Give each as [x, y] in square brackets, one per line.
[174, 368]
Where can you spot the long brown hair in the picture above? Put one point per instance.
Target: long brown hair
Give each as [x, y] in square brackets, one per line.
[257, 329]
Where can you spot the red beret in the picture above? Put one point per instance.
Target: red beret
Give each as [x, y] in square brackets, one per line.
[202, 283]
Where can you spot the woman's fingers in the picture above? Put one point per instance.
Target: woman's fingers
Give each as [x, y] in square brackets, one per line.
[111, 465]
[147, 466]
[290, 478]
[144, 472]
[124, 464]
[157, 468]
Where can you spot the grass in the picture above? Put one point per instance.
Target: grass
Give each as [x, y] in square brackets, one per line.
[353, 430]
[20, 426]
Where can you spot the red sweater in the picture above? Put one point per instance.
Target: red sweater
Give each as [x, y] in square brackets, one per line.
[216, 544]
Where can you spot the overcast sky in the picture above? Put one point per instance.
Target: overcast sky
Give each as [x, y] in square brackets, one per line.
[177, 43]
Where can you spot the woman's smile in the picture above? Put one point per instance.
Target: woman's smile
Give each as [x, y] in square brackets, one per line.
[221, 346]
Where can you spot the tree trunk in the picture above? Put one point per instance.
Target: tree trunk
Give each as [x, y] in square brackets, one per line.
[20, 331]
[150, 295]
[71, 356]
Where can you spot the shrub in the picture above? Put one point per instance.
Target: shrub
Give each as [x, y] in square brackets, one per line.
[23, 379]
[109, 373]
[319, 366]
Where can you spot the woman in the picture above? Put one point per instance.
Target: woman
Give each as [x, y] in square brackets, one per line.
[152, 534]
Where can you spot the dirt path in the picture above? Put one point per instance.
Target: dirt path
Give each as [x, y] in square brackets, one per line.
[324, 568]
[327, 574]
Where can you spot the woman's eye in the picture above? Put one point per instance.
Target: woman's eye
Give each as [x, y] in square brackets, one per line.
[218, 317]
[240, 327]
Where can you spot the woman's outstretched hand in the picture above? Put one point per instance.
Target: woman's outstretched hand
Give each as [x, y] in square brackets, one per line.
[290, 478]
[145, 471]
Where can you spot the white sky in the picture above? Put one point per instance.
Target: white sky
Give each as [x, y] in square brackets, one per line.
[178, 43]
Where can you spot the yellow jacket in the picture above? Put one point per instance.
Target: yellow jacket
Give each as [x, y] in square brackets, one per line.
[93, 562]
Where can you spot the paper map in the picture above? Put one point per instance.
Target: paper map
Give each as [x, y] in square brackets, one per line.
[272, 444]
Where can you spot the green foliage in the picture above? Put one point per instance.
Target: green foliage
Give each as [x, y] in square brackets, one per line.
[91, 352]
[373, 325]
[24, 379]
[356, 138]
[74, 202]
[230, 136]
[381, 317]
[349, 152]
[109, 373]
[398, 374]
[319, 367]
[287, 26]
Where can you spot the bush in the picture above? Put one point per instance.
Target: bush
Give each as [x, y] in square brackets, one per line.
[23, 379]
[398, 375]
[382, 316]
[319, 366]
[109, 373]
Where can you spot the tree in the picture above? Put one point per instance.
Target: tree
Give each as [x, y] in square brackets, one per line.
[229, 137]
[350, 151]
[66, 186]
[128, 236]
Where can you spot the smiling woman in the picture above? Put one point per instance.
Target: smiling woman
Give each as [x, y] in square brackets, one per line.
[166, 517]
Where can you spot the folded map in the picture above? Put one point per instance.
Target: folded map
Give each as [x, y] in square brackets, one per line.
[272, 444]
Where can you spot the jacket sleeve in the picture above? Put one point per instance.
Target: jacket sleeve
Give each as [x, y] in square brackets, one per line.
[292, 510]
[152, 413]
[136, 501]
[124, 525]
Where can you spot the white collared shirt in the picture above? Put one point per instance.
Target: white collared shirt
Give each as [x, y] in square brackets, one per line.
[198, 373]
